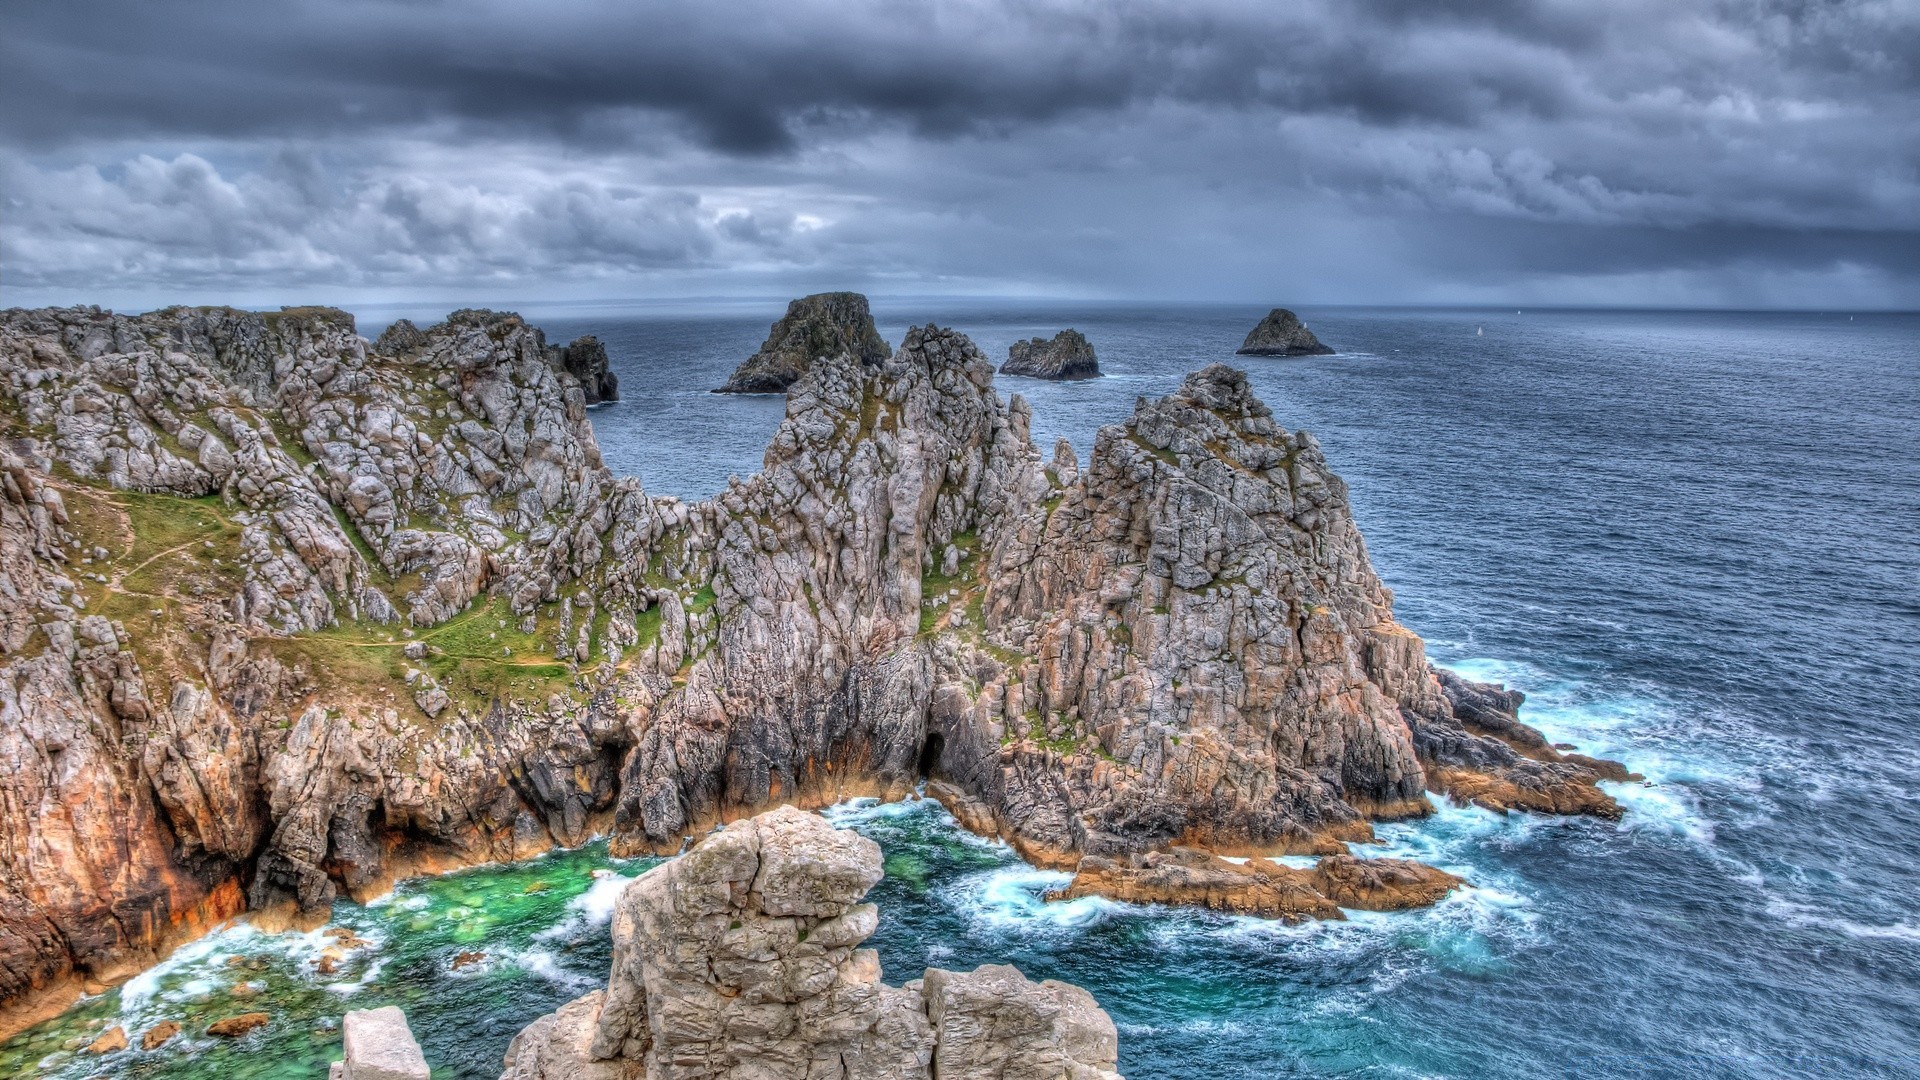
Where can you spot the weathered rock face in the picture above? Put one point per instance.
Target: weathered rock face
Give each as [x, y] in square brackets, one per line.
[741, 959]
[586, 360]
[1282, 333]
[284, 610]
[1186, 877]
[821, 325]
[377, 1044]
[1068, 356]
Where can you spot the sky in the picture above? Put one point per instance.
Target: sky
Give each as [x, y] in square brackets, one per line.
[1712, 153]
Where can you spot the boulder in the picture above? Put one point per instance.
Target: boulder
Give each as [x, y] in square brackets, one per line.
[1067, 356]
[377, 1044]
[821, 325]
[112, 1040]
[1282, 333]
[740, 960]
[159, 1035]
[233, 1027]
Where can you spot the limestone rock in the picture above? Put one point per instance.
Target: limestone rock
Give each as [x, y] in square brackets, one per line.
[377, 1044]
[1067, 356]
[821, 325]
[1282, 333]
[741, 960]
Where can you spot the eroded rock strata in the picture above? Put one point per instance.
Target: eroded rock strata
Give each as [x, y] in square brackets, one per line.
[814, 327]
[741, 959]
[1190, 878]
[1282, 333]
[284, 614]
[1068, 355]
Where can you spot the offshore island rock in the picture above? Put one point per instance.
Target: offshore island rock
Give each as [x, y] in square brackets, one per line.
[821, 325]
[1282, 333]
[740, 960]
[1068, 356]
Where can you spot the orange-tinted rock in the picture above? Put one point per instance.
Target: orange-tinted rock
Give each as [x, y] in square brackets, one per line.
[159, 1034]
[1184, 877]
[1382, 884]
[235, 1026]
[113, 1040]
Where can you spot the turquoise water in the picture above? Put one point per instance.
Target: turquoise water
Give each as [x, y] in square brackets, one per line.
[539, 930]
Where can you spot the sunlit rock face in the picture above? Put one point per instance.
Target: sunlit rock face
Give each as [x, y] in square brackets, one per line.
[282, 607]
[741, 959]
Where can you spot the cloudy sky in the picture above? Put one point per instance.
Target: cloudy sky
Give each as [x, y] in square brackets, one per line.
[1709, 152]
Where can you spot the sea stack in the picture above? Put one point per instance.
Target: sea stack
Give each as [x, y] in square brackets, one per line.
[1068, 356]
[821, 325]
[742, 959]
[1282, 333]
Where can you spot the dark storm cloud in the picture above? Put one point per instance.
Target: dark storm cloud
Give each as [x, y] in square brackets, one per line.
[746, 75]
[1334, 149]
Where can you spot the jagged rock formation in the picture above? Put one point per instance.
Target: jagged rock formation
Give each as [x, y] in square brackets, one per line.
[1282, 333]
[741, 960]
[1068, 356]
[284, 614]
[814, 327]
[377, 1044]
[1186, 877]
[584, 358]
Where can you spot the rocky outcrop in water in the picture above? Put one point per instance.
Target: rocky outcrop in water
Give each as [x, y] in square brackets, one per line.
[377, 1044]
[817, 326]
[1282, 333]
[1069, 355]
[741, 959]
[1190, 878]
[284, 614]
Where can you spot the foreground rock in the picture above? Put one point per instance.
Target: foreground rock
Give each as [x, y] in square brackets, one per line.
[377, 1044]
[1282, 333]
[285, 614]
[1187, 877]
[821, 325]
[1068, 356]
[740, 960]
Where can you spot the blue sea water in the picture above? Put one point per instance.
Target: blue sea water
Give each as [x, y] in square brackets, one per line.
[1689, 537]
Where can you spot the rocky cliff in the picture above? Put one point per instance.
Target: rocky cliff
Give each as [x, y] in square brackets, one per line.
[1282, 333]
[817, 326]
[741, 959]
[284, 614]
[1068, 355]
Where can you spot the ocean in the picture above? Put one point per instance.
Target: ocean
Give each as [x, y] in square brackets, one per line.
[1689, 537]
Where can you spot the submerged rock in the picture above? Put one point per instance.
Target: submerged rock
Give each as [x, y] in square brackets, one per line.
[1282, 333]
[233, 1027]
[377, 1044]
[821, 325]
[741, 960]
[1186, 877]
[1068, 356]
